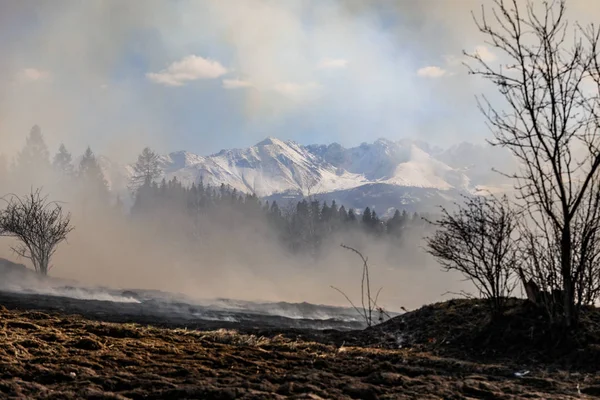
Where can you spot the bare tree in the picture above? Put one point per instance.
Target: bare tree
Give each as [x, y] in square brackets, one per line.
[550, 80]
[478, 240]
[541, 258]
[368, 304]
[39, 225]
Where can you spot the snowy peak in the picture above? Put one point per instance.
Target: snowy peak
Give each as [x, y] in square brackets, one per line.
[179, 159]
[270, 141]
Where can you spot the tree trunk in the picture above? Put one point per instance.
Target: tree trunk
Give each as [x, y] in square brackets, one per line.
[568, 288]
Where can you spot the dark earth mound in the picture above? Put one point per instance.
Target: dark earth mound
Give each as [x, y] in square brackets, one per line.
[464, 329]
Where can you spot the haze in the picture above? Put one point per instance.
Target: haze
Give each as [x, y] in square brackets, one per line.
[207, 75]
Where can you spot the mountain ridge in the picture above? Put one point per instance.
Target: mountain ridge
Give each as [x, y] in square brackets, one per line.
[274, 168]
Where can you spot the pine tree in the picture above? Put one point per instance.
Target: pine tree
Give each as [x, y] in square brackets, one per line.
[146, 169]
[352, 216]
[394, 224]
[92, 177]
[63, 161]
[367, 218]
[275, 211]
[34, 157]
[375, 226]
[334, 208]
[326, 212]
[315, 211]
[343, 214]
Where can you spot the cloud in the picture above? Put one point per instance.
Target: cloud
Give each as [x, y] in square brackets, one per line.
[189, 68]
[332, 63]
[34, 74]
[453, 61]
[485, 54]
[297, 91]
[431, 72]
[236, 84]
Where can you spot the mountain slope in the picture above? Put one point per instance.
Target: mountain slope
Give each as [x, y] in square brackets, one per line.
[270, 166]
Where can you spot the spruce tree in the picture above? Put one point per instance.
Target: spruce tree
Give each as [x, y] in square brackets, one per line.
[375, 225]
[367, 218]
[334, 207]
[92, 178]
[63, 161]
[275, 211]
[34, 158]
[343, 214]
[352, 216]
[394, 224]
[325, 212]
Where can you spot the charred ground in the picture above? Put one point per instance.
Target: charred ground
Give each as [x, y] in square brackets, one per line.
[446, 350]
[521, 337]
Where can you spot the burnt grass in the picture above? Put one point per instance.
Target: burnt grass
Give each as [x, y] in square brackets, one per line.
[450, 350]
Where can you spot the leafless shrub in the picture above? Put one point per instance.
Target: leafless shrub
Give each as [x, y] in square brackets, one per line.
[478, 241]
[369, 305]
[39, 225]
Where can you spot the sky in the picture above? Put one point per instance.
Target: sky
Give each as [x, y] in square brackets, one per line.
[204, 75]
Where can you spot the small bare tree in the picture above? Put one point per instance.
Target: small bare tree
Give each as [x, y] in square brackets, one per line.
[369, 304]
[550, 80]
[39, 225]
[478, 241]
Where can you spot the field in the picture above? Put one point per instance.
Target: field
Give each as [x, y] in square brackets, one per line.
[51, 354]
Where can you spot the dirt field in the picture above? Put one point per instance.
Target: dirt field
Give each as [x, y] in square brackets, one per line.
[51, 355]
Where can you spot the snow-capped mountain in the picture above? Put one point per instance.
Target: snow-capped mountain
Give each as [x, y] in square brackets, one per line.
[402, 163]
[384, 174]
[271, 166]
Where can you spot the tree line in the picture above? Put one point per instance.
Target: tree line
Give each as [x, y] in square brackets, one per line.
[300, 226]
[34, 166]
